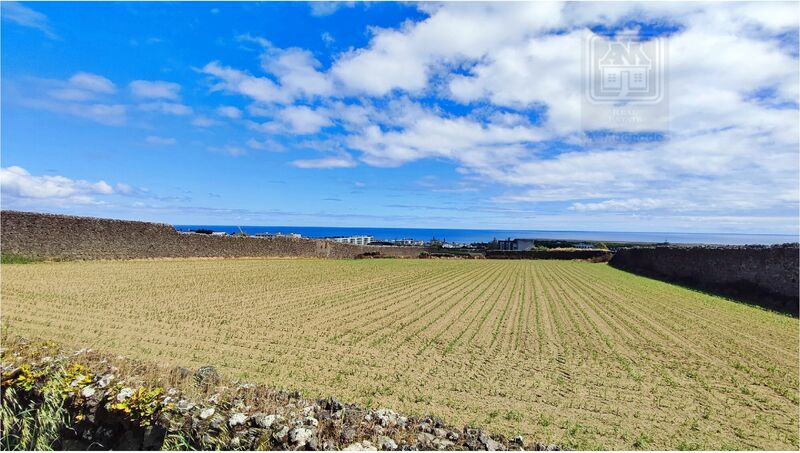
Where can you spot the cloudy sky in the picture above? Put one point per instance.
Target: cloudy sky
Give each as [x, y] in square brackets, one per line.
[455, 115]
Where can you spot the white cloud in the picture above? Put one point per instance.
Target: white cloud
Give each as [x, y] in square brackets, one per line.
[154, 89]
[297, 71]
[27, 17]
[229, 112]
[231, 80]
[630, 204]
[108, 114]
[82, 86]
[169, 108]
[343, 160]
[327, 8]
[296, 119]
[405, 59]
[204, 121]
[92, 82]
[19, 189]
[156, 140]
[266, 145]
[83, 95]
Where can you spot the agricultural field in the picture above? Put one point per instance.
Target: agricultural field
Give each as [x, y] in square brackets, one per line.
[573, 353]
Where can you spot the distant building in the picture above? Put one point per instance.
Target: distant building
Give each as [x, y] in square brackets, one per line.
[516, 244]
[352, 240]
[408, 241]
[583, 245]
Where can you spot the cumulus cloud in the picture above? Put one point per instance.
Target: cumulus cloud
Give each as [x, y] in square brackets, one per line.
[19, 189]
[726, 142]
[235, 81]
[297, 70]
[154, 89]
[229, 112]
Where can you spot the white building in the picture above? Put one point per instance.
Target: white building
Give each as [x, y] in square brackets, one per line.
[352, 240]
[408, 241]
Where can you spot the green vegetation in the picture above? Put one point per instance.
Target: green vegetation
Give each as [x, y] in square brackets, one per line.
[17, 259]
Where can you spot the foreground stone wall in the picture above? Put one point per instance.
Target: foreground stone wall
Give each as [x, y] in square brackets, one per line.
[766, 276]
[70, 237]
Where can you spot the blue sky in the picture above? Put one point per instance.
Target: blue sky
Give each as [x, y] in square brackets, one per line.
[398, 115]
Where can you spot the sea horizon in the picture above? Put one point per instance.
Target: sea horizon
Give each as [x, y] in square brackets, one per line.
[464, 235]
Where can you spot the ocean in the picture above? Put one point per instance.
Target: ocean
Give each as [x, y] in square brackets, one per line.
[468, 236]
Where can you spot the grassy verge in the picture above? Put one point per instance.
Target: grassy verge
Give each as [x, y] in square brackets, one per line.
[17, 259]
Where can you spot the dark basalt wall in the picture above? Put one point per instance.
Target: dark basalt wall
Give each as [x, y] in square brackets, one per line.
[765, 276]
[70, 237]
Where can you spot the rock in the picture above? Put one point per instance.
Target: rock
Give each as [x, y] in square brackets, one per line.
[264, 421]
[184, 406]
[348, 435]
[387, 417]
[453, 435]
[205, 413]
[105, 380]
[425, 439]
[129, 441]
[300, 436]
[311, 421]
[124, 394]
[88, 391]
[386, 443]
[280, 435]
[440, 433]
[237, 419]
[153, 438]
[332, 404]
[489, 443]
[518, 441]
[360, 446]
[206, 376]
[442, 444]
[217, 422]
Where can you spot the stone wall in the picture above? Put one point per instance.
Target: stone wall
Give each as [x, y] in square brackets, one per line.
[765, 276]
[69, 237]
[594, 255]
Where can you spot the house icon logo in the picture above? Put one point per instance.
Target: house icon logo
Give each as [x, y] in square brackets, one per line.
[625, 69]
